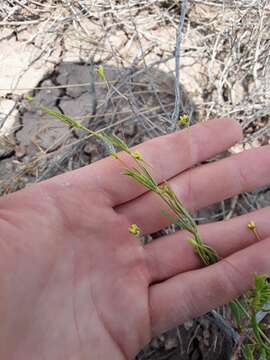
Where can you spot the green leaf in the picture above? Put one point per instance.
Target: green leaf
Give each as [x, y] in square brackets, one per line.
[29, 98]
[117, 142]
[101, 72]
[260, 295]
[64, 118]
[237, 312]
[248, 351]
[141, 178]
[172, 219]
[207, 254]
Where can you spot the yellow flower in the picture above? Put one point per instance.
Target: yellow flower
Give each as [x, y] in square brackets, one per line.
[134, 229]
[252, 225]
[183, 120]
[136, 155]
[114, 154]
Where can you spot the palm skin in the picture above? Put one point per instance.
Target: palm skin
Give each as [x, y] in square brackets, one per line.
[74, 284]
[80, 286]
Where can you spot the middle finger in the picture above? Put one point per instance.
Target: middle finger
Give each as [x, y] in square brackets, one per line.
[172, 254]
[203, 186]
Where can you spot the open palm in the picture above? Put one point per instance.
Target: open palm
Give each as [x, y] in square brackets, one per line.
[74, 284]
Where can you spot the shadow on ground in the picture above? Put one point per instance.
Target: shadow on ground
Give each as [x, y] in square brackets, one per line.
[135, 104]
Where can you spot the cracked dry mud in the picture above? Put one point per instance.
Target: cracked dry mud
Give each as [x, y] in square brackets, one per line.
[39, 135]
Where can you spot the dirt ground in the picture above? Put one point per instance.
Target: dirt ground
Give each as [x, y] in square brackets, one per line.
[51, 50]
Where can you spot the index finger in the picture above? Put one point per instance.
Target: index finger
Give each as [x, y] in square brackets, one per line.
[167, 155]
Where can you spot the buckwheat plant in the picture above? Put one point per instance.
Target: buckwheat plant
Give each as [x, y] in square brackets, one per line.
[244, 310]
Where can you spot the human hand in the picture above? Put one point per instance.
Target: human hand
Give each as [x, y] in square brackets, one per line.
[74, 284]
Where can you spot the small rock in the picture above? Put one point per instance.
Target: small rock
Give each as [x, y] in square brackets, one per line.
[88, 149]
[171, 343]
[188, 325]
[155, 344]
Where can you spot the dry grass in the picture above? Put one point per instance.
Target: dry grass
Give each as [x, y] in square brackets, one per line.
[224, 51]
[224, 56]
